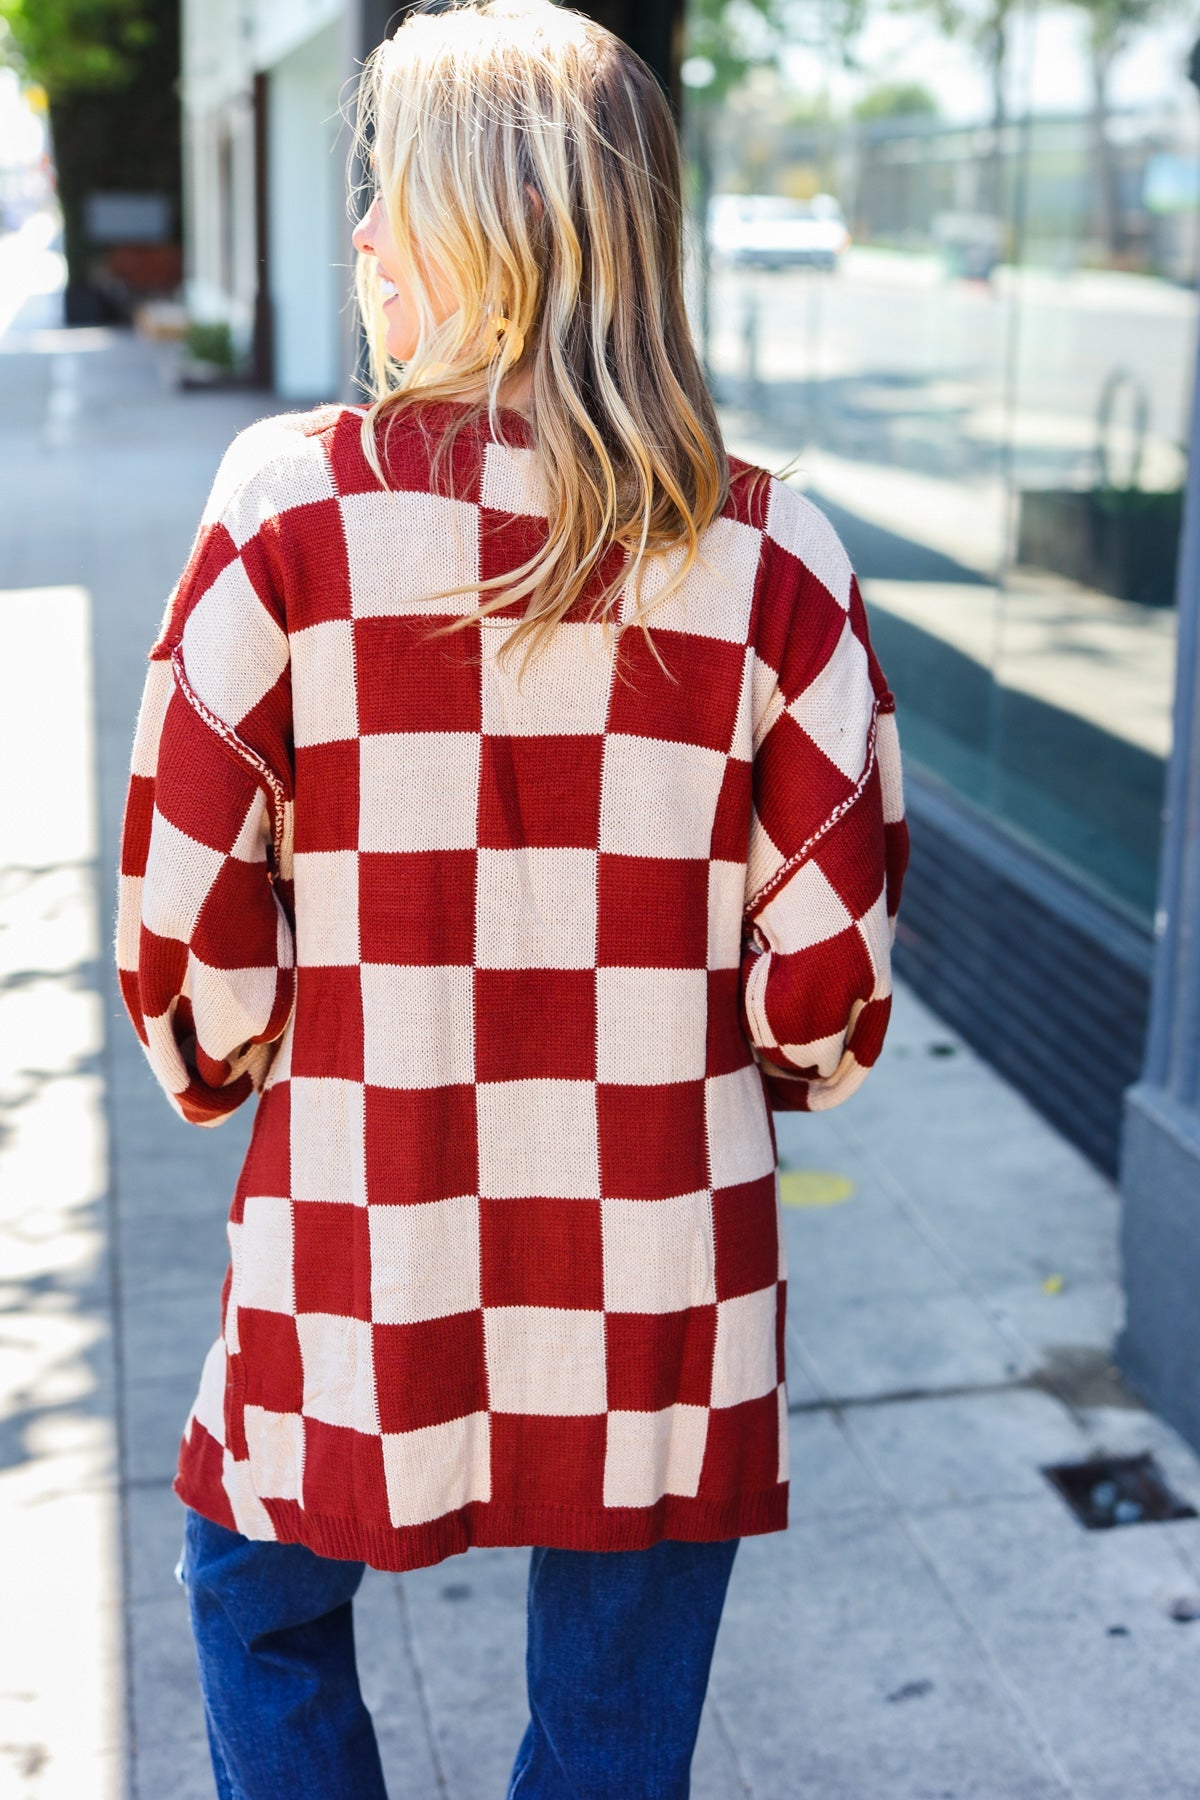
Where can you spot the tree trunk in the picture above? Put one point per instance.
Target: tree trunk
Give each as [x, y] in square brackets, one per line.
[1109, 219]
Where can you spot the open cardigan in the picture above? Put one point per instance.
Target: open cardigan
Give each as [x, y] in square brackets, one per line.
[517, 966]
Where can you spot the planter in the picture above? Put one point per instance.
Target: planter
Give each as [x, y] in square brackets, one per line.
[1120, 541]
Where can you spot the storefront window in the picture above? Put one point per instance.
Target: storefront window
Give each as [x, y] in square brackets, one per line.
[948, 268]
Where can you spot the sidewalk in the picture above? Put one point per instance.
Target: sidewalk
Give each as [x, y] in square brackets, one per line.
[934, 1626]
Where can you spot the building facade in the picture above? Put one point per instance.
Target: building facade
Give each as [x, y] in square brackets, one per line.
[956, 293]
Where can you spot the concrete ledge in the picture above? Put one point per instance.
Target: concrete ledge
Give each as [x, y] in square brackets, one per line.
[1159, 1347]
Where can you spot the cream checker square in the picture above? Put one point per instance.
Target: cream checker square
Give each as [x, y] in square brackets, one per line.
[739, 1130]
[563, 691]
[264, 1254]
[651, 1025]
[544, 1359]
[650, 1454]
[437, 1469]
[326, 908]
[386, 578]
[419, 790]
[658, 798]
[323, 694]
[538, 1137]
[716, 596]
[338, 1362]
[744, 1360]
[658, 1254]
[327, 1125]
[418, 1025]
[535, 909]
[424, 1260]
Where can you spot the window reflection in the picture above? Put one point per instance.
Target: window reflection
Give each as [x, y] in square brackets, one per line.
[948, 268]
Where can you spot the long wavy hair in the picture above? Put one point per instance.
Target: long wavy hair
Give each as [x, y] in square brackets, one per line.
[530, 157]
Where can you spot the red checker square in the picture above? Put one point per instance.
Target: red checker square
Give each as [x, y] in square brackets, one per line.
[535, 1024]
[240, 893]
[731, 826]
[542, 1253]
[162, 970]
[749, 494]
[331, 1258]
[796, 787]
[272, 1375]
[540, 791]
[304, 549]
[540, 1461]
[410, 677]
[200, 1477]
[781, 1331]
[870, 1029]
[727, 1049]
[343, 1473]
[328, 1038]
[695, 702]
[420, 1144]
[849, 857]
[775, 601]
[652, 912]
[407, 443]
[135, 830]
[660, 1359]
[267, 1168]
[267, 727]
[326, 814]
[818, 985]
[505, 542]
[417, 907]
[212, 554]
[652, 1140]
[194, 791]
[352, 473]
[430, 1373]
[741, 1455]
[746, 1233]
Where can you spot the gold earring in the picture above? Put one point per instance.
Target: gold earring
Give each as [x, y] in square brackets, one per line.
[505, 327]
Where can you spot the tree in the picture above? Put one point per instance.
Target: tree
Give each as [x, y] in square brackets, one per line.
[1111, 25]
[897, 100]
[110, 69]
[985, 26]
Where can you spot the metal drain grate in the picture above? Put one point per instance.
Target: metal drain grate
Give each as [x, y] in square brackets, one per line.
[1117, 1490]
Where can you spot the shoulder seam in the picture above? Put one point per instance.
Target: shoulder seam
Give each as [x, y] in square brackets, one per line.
[236, 747]
[880, 705]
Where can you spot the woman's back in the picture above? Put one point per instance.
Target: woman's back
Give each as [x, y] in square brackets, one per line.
[506, 1238]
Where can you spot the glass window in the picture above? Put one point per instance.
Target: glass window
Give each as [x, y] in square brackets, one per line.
[948, 274]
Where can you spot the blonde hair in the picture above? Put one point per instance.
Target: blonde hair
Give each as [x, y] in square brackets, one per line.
[529, 157]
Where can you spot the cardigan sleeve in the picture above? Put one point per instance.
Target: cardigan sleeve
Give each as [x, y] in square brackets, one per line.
[829, 843]
[204, 933]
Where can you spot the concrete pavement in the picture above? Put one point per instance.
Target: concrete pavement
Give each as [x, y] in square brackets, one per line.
[934, 1626]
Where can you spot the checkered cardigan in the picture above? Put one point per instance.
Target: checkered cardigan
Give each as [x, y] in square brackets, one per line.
[516, 968]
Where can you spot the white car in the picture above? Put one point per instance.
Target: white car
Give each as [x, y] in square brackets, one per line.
[769, 231]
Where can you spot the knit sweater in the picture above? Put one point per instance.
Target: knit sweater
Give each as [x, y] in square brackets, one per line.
[516, 966]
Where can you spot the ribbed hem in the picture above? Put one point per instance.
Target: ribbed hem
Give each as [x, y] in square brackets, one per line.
[491, 1525]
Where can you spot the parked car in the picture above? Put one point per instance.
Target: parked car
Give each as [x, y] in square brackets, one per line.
[769, 231]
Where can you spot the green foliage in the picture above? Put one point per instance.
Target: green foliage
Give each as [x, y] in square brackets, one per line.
[737, 36]
[897, 100]
[78, 46]
[210, 342]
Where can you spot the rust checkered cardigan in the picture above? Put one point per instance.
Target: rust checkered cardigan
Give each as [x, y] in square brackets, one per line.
[516, 969]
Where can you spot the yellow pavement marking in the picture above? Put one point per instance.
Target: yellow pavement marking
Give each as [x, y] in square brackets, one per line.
[814, 1187]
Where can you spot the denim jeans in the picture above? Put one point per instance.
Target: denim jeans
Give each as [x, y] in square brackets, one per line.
[618, 1650]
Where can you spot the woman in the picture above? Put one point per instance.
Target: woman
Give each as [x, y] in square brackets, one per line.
[516, 812]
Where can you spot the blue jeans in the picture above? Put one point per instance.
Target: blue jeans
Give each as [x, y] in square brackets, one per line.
[618, 1651]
